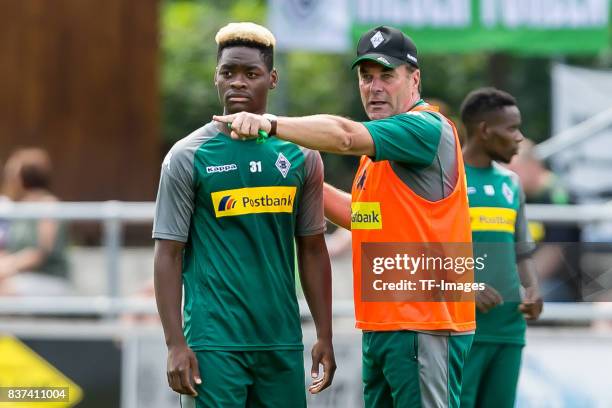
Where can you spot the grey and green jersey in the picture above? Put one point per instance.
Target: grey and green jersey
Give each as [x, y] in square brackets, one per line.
[238, 205]
[501, 235]
[421, 148]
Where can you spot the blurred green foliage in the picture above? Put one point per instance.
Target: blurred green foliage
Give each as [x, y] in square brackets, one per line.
[314, 83]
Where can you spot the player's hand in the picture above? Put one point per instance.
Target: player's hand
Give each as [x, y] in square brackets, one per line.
[245, 125]
[488, 298]
[183, 370]
[532, 304]
[322, 353]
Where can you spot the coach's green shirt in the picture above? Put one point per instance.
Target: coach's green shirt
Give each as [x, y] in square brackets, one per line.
[238, 205]
[421, 148]
[500, 234]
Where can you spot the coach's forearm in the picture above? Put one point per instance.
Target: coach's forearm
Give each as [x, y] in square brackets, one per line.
[337, 206]
[315, 276]
[326, 133]
[168, 289]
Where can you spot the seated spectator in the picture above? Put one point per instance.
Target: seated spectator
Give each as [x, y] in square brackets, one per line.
[33, 261]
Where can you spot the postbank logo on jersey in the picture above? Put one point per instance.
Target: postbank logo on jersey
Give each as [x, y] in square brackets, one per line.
[227, 203]
[366, 215]
[253, 200]
[493, 219]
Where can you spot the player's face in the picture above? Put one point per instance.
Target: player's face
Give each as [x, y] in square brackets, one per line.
[386, 92]
[243, 80]
[503, 131]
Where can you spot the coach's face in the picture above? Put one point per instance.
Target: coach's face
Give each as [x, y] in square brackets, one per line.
[502, 133]
[243, 80]
[387, 91]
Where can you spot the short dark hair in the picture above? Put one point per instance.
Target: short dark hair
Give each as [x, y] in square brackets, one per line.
[483, 101]
[267, 52]
[34, 176]
[35, 167]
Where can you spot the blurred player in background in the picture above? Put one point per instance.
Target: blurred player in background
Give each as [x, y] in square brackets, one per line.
[411, 176]
[227, 213]
[499, 232]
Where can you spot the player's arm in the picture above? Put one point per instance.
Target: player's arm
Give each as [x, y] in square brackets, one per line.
[337, 205]
[173, 211]
[315, 268]
[168, 281]
[315, 276]
[531, 305]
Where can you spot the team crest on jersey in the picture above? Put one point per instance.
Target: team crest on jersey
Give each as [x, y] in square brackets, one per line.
[508, 193]
[283, 165]
[489, 190]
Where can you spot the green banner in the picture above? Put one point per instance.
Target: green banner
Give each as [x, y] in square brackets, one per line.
[518, 26]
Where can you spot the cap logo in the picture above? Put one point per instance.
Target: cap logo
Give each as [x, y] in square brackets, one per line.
[411, 58]
[383, 60]
[377, 39]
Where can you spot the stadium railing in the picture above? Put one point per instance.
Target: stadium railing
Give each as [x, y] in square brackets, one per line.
[114, 215]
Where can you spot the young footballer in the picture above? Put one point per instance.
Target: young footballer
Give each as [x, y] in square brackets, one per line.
[226, 218]
[500, 233]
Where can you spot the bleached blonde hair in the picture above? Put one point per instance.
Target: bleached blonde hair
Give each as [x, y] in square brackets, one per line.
[245, 31]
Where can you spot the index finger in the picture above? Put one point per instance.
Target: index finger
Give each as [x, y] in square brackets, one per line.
[224, 118]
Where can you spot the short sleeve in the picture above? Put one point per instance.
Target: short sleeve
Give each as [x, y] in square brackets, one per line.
[175, 197]
[310, 217]
[411, 138]
[524, 242]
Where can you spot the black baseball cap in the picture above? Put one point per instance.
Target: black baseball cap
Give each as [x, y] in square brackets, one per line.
[387, 46]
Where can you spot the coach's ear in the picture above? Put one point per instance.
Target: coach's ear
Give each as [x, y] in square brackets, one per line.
[273, 78]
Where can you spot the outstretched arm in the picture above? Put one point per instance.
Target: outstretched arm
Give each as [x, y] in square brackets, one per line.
[326, 133]
[315, 276]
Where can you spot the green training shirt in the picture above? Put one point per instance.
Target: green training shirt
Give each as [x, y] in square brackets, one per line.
[421, 149]
[501, 235]
[237, 206]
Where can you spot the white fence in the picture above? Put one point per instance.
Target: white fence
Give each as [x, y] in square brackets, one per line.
[114, 215]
